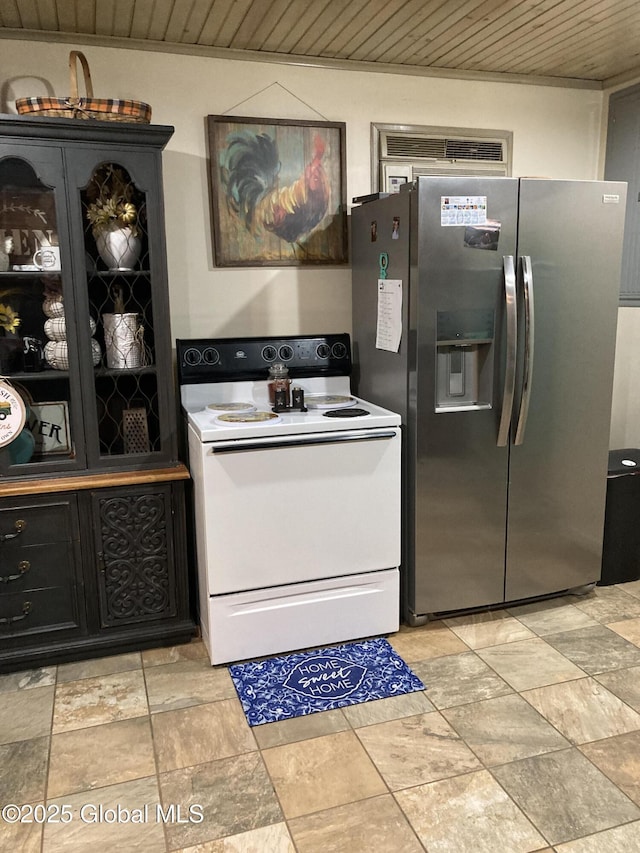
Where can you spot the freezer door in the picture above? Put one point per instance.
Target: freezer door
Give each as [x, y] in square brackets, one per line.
[457, 470]
[572, 231]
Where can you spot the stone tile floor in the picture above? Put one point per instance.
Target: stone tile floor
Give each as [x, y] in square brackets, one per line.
[527, 738]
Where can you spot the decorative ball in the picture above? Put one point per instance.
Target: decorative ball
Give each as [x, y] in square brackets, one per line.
[56, 329]
[56, 354]
[53, 307]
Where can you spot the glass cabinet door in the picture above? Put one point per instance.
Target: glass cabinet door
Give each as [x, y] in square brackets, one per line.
[38, 352]
[124, 267]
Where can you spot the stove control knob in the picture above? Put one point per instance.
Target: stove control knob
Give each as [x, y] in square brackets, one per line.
[191, 357]
[269, 353]
[338, 350]
[210, 356]
[323, 351]
[285, 352]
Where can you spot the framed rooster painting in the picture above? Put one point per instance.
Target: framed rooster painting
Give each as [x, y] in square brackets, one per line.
[278, 192]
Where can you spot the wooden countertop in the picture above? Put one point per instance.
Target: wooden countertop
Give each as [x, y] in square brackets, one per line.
[75, 482]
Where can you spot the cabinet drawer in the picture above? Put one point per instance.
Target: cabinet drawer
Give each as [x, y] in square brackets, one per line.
[35, 567]
[36, 524]
[35, 610]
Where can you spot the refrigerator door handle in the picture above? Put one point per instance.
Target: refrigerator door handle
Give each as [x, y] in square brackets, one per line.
[512, 346]
[529, 330]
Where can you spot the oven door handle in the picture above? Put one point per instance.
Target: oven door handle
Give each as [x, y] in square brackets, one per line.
[244, 445]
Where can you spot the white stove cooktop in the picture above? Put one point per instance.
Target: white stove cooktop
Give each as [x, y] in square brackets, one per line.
[204, 422]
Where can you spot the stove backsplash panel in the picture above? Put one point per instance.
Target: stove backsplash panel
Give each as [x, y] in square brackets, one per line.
[236, 359]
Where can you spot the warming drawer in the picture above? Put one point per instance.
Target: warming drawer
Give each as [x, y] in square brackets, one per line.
[280, 619]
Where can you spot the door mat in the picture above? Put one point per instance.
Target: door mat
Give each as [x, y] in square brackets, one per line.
[321, 680]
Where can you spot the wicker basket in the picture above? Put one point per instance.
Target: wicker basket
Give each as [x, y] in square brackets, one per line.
[85, 108]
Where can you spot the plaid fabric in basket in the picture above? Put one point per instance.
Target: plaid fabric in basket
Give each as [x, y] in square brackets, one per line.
[100, 108]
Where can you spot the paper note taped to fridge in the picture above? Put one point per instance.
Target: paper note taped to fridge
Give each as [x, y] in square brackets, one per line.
[463, 210]
[389, 325]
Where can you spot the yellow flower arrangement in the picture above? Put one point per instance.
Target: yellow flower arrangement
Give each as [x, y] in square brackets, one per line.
[112, 198]
[9, 320]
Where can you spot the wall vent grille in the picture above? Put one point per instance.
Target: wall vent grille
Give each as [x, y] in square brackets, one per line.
[434, 148]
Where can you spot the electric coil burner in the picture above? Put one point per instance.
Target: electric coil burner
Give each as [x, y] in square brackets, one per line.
[297, 510]
[346, 413]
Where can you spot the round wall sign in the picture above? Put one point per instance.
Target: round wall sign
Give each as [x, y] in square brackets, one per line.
[13, 414]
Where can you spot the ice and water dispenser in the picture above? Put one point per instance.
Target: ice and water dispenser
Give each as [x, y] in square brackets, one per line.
[464, 347]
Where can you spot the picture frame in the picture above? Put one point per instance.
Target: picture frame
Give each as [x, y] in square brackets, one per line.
[49, 425]
[277, 189]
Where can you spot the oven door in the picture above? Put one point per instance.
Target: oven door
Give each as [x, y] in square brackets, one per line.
[287, 509]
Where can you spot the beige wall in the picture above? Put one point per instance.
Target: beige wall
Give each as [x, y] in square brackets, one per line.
[625, 419]
[557, 133]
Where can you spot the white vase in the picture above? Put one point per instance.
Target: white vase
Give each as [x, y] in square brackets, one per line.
[119, 248]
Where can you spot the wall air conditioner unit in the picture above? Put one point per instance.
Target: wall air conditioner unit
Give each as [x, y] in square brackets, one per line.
[404, 155]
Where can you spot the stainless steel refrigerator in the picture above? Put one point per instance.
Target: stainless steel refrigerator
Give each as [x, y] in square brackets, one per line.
[484, 312]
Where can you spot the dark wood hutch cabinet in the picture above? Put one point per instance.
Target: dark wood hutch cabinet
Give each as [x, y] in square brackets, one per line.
[92, 511]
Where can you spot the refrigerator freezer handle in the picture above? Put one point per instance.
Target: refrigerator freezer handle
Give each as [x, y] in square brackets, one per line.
[529, 328]
[512, 346]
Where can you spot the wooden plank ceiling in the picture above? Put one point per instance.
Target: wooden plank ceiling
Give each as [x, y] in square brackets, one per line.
[581, 41]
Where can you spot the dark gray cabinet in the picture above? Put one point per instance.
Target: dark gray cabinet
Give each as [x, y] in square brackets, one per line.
[85, 343]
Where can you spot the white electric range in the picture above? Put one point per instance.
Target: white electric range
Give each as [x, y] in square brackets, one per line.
[297, 511]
